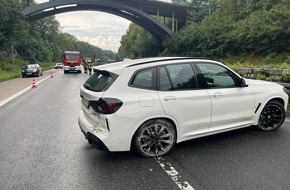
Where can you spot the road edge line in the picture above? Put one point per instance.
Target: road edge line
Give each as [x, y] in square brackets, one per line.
[173, 173]
[3, 102]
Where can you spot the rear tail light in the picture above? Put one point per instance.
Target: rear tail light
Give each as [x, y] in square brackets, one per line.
[106, 105]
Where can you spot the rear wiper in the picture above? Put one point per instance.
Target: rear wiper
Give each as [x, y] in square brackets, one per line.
[87, 86]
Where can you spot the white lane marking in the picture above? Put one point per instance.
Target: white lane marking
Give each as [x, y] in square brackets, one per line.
[2, 103]
[173, 173]
[287, 119]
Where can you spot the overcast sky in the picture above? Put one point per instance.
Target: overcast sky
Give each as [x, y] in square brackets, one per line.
[97, 28]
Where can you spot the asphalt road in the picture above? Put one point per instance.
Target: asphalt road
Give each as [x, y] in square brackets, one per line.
[15, 87]
[41, 147]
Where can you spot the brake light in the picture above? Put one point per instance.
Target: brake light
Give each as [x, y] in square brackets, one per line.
[106, 105]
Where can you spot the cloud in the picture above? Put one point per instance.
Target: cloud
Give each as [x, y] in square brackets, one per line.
[99, 29]
[105, 42]
[40, 1]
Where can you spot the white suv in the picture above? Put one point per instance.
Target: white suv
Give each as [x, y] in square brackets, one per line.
[151, 104]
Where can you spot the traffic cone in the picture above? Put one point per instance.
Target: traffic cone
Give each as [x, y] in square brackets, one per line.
[51, 75]
[33, 84]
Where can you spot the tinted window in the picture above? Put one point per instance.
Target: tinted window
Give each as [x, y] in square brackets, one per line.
[164, 82]
[31, 66]
[217, 76]
[99, 81]
[71, 56]
[177, 77]
[144, 78]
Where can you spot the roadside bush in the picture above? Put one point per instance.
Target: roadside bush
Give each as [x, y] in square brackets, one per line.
[8, 70]
[286, 78]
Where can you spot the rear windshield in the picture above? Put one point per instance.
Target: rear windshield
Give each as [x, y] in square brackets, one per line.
[31, 67]
[100, 81]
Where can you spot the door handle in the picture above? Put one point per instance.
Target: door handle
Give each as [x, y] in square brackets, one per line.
[217, 94]
[167, 98]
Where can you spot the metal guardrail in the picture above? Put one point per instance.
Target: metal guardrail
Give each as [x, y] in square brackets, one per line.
[287, 86]
[275, 75]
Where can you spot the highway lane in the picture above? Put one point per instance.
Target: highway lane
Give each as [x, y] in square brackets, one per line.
[14, 86]
[41, 147]
[242, 159]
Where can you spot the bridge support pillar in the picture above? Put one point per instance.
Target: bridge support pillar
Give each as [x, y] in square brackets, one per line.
[158, 15]
[173, 22]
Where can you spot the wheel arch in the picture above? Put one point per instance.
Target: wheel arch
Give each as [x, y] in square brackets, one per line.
[167, 118]
[278, 99]
[270, 119]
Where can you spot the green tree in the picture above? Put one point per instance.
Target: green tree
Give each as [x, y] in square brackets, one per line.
[11, 24]
[242, 27]
[199, 9]
[265, 31]
[138, 43]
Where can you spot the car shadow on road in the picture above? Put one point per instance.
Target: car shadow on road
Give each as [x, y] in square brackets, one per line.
[242, 140]
[106, 155]
[219, 142]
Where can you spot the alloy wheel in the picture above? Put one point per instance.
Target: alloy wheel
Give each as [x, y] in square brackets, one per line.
[155, 138]
[272, 116]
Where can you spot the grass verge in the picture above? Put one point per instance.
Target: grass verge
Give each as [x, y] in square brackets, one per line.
[9, 71]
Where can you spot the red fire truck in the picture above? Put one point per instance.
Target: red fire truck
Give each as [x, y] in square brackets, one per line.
[72, 61]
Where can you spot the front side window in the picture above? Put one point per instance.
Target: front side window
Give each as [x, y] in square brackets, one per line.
[217, 76]
[144, 79]
[177, 77]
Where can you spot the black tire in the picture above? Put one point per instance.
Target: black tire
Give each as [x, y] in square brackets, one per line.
[154, 138]
[272, 116]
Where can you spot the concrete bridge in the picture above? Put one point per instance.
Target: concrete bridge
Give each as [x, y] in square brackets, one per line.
[137, 11]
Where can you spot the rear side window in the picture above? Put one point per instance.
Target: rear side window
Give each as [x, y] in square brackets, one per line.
[145, 79]
[100, 81]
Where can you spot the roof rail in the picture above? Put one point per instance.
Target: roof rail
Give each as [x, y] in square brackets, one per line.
[167, 59]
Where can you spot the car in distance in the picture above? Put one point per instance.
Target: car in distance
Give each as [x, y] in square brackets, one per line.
[31, 70]
[151, 104]
[58, 66]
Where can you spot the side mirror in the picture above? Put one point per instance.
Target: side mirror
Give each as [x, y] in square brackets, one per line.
[243, 83]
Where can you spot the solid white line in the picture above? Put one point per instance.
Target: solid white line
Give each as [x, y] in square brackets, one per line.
[176, 178]
[3, 102]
